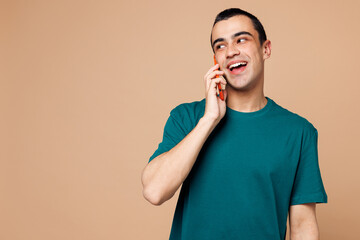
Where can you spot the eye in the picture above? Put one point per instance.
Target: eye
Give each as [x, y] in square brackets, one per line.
[219, 46]
[241, 40]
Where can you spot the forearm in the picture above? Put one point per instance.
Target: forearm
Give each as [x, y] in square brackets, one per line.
[164, 174]
[305, 231]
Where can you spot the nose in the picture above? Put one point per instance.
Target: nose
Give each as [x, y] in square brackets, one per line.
[231, 51]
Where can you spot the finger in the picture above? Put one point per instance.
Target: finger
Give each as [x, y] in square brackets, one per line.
[214, 73]
[214, 85]
[212, 69]
[212, 77]
[223, 81]
[215, 67]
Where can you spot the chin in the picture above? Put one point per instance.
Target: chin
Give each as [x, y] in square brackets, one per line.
[240, 84]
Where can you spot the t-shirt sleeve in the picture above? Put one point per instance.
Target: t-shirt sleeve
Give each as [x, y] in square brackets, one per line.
[174, 132]
[308, 186]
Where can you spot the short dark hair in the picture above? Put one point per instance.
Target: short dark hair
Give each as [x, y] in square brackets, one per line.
[231, 12]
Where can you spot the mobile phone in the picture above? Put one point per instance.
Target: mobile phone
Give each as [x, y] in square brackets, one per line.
[221, 94]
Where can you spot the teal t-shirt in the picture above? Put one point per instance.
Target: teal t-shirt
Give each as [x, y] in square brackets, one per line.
[252, 167]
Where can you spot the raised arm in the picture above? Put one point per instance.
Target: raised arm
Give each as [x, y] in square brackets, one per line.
[162, 176]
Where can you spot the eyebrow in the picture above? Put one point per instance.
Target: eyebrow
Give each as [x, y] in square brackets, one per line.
[232, 37]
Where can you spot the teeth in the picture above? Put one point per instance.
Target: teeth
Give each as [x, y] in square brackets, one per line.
[237, 64]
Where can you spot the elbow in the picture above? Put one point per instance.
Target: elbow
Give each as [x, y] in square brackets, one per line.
[306, 231]
[148, 192]
[152, 198]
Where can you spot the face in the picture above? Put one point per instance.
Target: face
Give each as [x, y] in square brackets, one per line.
[238, 52]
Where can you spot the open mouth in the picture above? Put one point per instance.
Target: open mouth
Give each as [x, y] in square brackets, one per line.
[237, 67]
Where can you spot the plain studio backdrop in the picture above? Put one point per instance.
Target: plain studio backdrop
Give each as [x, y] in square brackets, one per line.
[87, 86]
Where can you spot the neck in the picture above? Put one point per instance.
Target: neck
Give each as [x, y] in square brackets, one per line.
[246, 101]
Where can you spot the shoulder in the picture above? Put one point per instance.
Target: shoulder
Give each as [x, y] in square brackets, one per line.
[189, 109]
[189, 113]
[294, 120]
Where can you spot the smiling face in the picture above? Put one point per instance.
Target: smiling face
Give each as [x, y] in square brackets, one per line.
[238, 51]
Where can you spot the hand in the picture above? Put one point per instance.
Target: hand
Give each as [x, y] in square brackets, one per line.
[215, 107]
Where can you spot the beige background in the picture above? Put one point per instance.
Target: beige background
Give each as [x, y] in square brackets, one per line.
[87, 86]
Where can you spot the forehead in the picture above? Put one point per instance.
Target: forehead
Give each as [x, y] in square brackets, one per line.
[226, 28]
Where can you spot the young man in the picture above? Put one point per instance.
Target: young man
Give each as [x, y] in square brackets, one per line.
[244, 162]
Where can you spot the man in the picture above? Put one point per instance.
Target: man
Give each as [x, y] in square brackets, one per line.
[244, 162]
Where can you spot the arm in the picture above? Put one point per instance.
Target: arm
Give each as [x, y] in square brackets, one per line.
[303, 223]
[164, 174]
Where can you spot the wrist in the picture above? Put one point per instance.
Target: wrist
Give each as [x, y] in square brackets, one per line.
[209, 121]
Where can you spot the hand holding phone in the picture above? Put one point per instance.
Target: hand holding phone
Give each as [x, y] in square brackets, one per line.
[221, 94]
[215, 107]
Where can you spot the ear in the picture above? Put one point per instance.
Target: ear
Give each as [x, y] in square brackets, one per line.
[266, 49]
